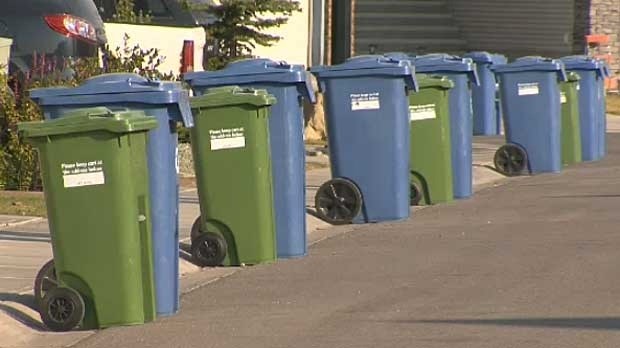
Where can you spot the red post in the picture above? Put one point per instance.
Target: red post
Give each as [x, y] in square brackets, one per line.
[187, 56]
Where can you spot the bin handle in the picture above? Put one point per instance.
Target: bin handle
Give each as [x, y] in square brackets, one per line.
[605, 70]
[562, 74]
[474, 77]
[140, 83]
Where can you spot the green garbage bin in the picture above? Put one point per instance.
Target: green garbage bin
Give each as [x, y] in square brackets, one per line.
[230, 146]
[94, 171]
[430, 161]
[571, 130]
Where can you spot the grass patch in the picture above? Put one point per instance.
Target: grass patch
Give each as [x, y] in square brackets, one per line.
[613, 104]
[22, 203]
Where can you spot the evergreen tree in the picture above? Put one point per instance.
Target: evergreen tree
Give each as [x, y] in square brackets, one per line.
[240, 26]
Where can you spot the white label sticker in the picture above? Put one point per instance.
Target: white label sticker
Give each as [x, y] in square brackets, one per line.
[422, 112]
[80, 174]
[229, 138]
[365, 101]
[562, 97]
[528, 88]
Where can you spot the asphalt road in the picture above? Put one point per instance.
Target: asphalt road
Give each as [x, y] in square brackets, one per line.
[532, 263]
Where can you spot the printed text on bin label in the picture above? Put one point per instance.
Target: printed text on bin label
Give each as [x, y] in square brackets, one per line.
[365, 101]
[80, 174]
[422, 112]
[528, 88]
[227, 138]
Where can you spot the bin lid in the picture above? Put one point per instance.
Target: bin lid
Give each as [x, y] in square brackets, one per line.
[442, 62]
[254, 71]
[232, 95]
[118, 88]
[368, 65]
[90, 119]
[486, 57]
[581, 62]
[531, 63]
[434, 81]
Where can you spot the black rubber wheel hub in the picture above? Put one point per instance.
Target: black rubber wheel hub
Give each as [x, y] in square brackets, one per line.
[209, 249]
[338, 201]
[62, 309]
[510, 160]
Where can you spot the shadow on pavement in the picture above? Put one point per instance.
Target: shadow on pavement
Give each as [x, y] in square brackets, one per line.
[487, 166]
[313, 212]
[185, 252]
[15, 313]
[24, 236]
[594, 323]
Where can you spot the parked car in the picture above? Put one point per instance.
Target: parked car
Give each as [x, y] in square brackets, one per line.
[55, 29]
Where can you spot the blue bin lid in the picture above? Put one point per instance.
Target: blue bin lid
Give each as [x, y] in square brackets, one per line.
[250, 71]
[486, 57]
[119, 88]
[404, 57]
[442, 62]
[368, 65]
[533, 63]
[581, 62]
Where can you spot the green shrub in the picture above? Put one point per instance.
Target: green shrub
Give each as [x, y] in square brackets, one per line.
[18, 160]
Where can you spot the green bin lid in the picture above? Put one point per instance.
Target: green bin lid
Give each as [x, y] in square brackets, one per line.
[232, 95]
[436, 81]
[572, 76]
[88, 120]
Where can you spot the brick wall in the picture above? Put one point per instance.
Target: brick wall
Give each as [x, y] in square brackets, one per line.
[604, 18]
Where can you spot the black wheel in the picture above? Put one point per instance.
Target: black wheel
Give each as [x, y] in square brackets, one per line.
[45, 281]
[196, 230]
[62, 309]
[510, 160]
[209, 249]
[338, 201]
[415, 194]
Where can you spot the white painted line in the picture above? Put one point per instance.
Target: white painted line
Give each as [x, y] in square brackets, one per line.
[19, 267]
[26, 239]
[23, 222]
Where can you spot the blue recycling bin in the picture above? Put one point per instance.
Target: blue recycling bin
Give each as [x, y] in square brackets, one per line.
[530, 99]
[289, 84]
[462, 72]
[592, 109]
[169, 103]
[486, 119]
[367, 118]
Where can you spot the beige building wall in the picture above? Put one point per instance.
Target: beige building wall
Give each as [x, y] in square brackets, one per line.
[169, 41]
[5, 54]
[294, 48]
